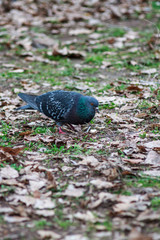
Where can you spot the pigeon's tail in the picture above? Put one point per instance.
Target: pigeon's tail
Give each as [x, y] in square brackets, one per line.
[30, 99]
[23, 107]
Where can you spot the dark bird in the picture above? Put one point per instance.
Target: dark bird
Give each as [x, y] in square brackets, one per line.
[62, 106]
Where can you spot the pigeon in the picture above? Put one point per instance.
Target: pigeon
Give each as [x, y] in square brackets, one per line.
[64, 107]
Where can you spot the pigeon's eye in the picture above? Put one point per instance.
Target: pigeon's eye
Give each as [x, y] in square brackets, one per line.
[92, 103]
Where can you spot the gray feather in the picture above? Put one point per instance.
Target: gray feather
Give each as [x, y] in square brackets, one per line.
[62, 106]
[30, 99]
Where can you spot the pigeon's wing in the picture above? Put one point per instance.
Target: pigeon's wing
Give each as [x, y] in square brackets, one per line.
[30, 99]
[56, 104]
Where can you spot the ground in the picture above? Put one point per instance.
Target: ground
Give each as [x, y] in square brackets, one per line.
[103, 183]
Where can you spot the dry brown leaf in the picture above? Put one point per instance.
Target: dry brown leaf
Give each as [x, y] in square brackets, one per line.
[79, 31]
[152, 173]
[153, 158]
[87, 216]
[132, 160]
[71, 191]
[76, 237]
[153, 144]
[37, 185]
[45, 213]
[25, 133]
[102, 197]
[35, 138]
[67, 52]
[89, 161]
[148, 215]
[149, 71]
[136, 235]
[5, 156]
[15, 219]
[12, 182]
[51, 179]
[100, 184]
[111, 173]
[134, 88]
[141, 115]
[12, 151]
[46, 234]
[9, 173]
[46, 203]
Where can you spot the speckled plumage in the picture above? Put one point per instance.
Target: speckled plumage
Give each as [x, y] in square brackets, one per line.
[64, 107]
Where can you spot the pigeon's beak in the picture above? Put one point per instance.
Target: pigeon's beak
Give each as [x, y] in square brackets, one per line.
[97, 110]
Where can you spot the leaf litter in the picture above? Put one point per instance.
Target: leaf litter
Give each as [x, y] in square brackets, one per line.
[100, 184]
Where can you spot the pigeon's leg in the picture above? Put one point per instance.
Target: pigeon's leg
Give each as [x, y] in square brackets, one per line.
[70, 125]
[59, 128]
[88, 129]
[61, 131]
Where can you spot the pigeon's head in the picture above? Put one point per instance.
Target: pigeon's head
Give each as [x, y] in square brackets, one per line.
[86, 108]
[93, 102]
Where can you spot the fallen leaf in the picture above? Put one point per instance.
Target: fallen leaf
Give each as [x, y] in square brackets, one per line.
[71, 191]
[46, 234]
[12, 151]
[36, 185]
[79, 31]
[17, 71]
[46, 203]
[45, 213]
[153, 144]
[76, 237]
[153, 173]
[90, 161]
[87, 216]
[101, 184]
[134, 88]
[148, 215]
[9, 172]
[153, 158]
[67, 52]
[102, 198]
[15, 219]
[149, 71]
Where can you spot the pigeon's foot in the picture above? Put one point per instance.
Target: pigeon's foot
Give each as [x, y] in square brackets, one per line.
[60, 131]
[88, 129]
[70, 125]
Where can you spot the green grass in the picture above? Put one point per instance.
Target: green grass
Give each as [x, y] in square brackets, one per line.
[16, 166]
[144, 104]
[54, 149]
[143, 135]
[156, 130]
[156, 5]
[60, 219]
[5, 139]
[89, 70]
[42, 223]
[106, 88]
[110, 105]
[123, 192]
[2, 219]
[91, 79]
[121, 87]
[7, 190]
[155, 203]
[95, 59]
[107, 224]
[101, 49]
[143, 182]
[112, 32]
[116, 32]
[43, 130]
